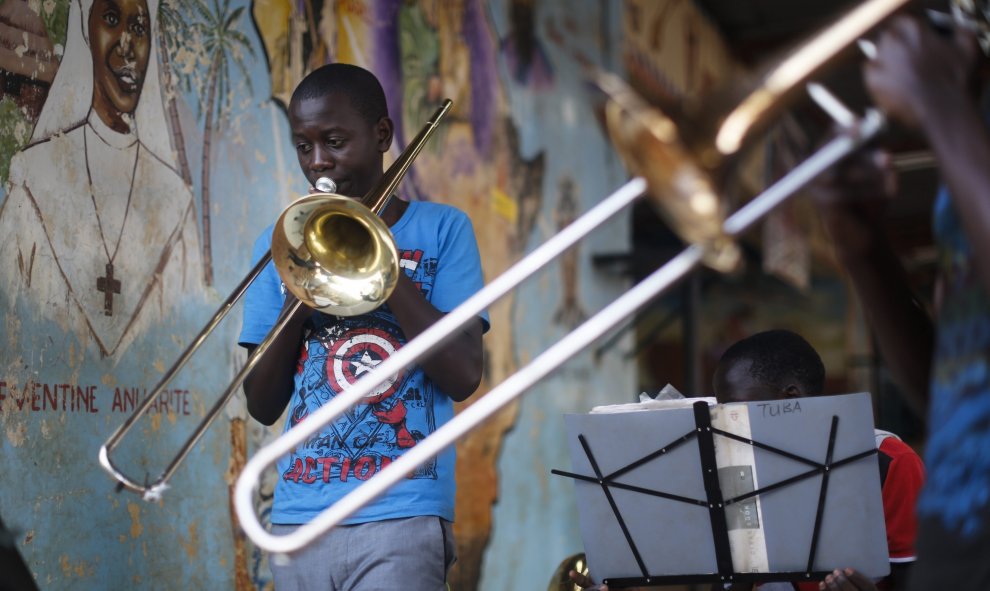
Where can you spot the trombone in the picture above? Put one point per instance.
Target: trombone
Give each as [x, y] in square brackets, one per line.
[683, 163]
[333, 253]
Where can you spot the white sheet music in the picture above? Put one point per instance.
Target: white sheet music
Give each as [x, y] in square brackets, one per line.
[737, 475]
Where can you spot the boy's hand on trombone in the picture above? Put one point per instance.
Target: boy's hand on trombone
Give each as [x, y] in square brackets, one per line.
[917, 69]
[852, 198]
[301, 314]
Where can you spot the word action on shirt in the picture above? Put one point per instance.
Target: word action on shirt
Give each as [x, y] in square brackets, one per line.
[332, 468]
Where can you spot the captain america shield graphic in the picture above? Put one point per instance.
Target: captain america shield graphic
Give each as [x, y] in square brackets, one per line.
[358, 352]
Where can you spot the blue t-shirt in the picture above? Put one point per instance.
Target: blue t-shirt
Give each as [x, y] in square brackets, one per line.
[438, 251]
[954, 508]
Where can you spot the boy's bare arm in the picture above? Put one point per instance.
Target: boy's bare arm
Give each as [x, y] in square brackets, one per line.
[269, 386]
[930, 82]
[851, 200]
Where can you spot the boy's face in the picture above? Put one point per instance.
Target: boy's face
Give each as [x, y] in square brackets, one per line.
[734, 383]
[333, 139]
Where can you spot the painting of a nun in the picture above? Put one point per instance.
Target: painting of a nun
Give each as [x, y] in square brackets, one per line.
[99, 229]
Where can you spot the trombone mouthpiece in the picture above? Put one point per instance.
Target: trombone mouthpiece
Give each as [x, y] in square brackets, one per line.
[326, 185]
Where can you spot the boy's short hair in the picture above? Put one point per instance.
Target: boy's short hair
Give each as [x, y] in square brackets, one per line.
[360, 86]
[777, 356]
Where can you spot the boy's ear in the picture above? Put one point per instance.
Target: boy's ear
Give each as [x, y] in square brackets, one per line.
[793, 391]
[384, 131]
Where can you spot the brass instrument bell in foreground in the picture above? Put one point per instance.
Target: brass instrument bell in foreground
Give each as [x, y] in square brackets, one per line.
[687, 152]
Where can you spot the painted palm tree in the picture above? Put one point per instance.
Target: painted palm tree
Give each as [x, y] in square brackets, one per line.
[223, 45]
[173, 29]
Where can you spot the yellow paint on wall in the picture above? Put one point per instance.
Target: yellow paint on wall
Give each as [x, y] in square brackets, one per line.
[17, 434]
[504, 206]
[659, 33]
[135, 512]
[79, 570]
[192, 545]
[273, 23]
[352, 32]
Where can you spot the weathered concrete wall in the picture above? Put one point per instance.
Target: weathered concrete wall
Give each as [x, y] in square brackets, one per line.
[83, 340]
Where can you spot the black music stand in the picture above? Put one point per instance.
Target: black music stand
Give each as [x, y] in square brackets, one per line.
[688, 495]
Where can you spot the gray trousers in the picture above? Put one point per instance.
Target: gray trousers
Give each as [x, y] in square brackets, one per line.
[411, 554]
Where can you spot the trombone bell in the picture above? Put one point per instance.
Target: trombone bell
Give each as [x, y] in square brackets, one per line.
[681, 187]
[335, 255]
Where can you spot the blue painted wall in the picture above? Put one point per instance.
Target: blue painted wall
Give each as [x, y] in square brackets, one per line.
[72, 528]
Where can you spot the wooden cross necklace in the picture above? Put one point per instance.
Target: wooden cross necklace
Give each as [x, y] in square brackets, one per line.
[108, 284]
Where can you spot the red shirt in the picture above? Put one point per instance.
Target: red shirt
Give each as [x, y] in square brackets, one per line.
[901, 475]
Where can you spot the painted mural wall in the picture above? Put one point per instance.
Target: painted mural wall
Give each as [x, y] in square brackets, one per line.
[143, 147]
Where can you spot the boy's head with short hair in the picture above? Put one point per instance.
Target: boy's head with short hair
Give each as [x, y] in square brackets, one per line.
[770, 365]
[340, 127]
[360, 86]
